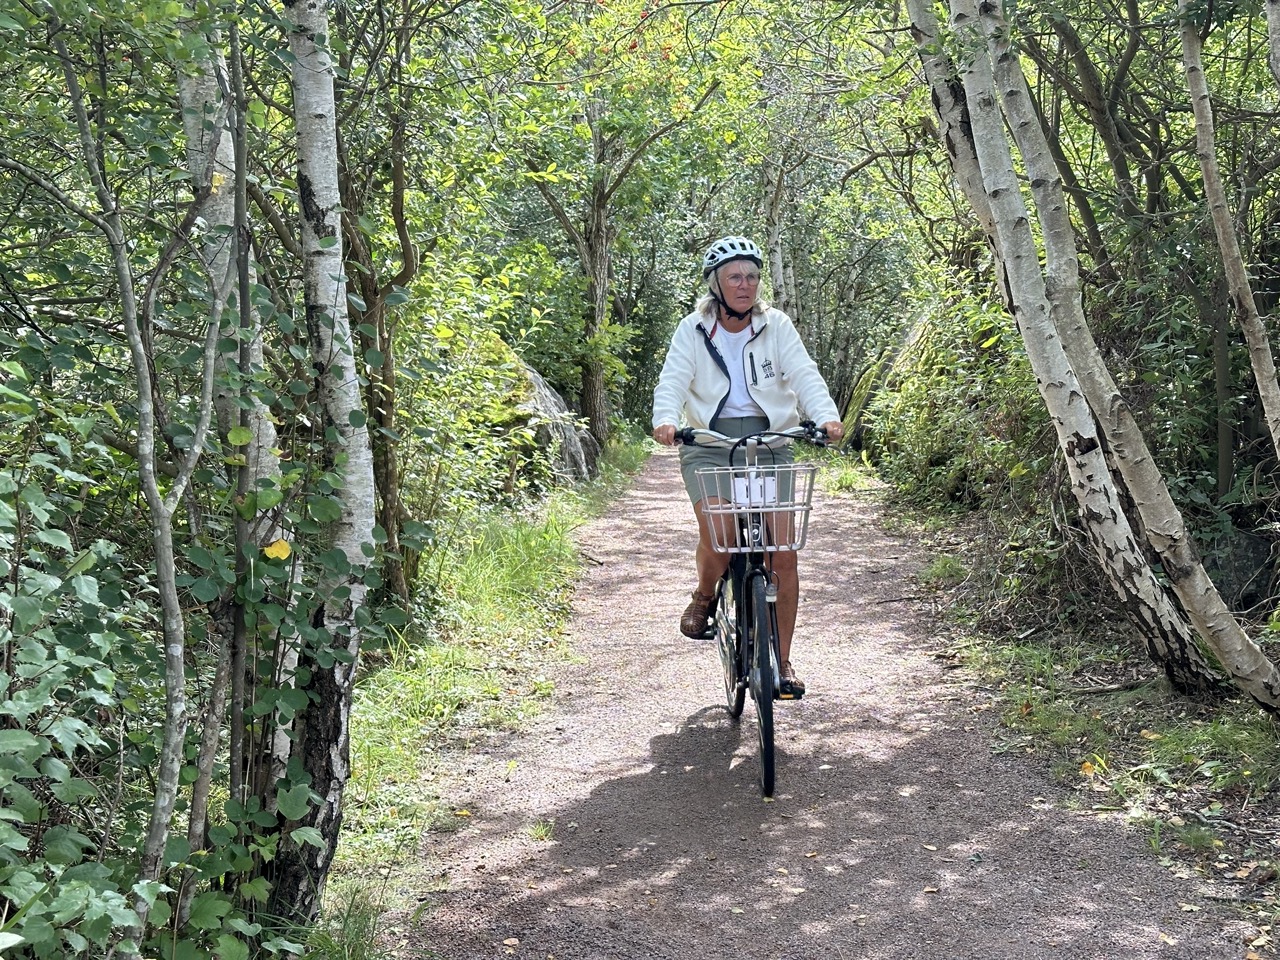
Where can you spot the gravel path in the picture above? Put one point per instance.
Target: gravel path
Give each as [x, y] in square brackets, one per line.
[895, 833]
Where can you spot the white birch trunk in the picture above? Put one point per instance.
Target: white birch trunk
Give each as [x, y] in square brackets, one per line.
[1238, 286]
[206, 99]
[1273, 36]
[160, 504]
[322, 735]
[1107, 525]
[211, 158]
[1242, 659]
[1170, 639]
[1163, 524]
[774, 185]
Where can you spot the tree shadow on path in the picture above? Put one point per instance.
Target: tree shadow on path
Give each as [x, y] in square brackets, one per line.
[896, 831]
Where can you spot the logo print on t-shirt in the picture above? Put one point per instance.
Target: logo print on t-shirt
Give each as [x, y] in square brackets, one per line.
[767, 369]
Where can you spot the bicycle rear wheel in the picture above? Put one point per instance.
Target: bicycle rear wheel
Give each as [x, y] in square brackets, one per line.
[728, 637]
[763, 631]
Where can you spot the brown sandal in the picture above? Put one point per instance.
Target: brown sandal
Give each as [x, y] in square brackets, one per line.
[791, 687]
[693, 622]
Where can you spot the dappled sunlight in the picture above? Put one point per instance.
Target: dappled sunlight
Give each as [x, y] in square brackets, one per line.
[894, 832]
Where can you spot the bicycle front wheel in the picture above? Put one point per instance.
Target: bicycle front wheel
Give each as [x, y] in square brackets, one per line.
[728, 636]
[764, 631]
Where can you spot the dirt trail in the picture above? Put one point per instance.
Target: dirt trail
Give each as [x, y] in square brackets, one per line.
[896, 832]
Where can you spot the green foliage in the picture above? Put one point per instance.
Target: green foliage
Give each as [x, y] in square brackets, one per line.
[69, 612]
[503, 106]
[350, 929]
[959, 420]
[543, 830]
[470, 442]
[841, 474]
[943, 570]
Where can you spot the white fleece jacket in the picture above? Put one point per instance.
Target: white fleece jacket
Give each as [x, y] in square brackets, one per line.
[781, 376]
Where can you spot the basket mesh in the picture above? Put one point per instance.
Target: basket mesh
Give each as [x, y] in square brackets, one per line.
[769, 501]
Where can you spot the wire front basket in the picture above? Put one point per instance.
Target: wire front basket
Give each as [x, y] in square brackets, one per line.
[763, 508]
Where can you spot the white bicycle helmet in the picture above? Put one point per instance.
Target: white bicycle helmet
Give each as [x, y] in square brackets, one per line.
[727, 249]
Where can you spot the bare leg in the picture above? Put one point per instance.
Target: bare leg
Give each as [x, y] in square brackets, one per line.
[787, 577]
[711, 565]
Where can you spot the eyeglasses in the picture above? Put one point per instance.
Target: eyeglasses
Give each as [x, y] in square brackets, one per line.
[738, 279]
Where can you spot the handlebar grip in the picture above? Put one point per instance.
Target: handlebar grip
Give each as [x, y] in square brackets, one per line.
[684, 435]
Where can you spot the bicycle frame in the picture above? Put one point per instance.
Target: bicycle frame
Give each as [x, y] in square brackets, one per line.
[745, 569]
[747, 635]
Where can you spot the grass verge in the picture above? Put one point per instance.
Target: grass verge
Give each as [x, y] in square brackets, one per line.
[1196, 778]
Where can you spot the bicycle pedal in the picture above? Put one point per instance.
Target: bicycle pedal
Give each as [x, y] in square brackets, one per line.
[787, 695]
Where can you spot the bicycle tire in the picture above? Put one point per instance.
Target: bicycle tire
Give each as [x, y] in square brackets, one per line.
[762, 638]
[728, 638]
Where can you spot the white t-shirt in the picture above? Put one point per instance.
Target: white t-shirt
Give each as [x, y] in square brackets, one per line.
[731, 345]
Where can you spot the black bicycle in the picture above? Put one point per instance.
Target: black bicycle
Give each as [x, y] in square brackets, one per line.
[753, 509]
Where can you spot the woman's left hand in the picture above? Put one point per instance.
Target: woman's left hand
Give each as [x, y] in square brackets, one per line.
[835, 430]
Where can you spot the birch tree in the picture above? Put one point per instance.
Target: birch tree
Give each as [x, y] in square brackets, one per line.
[1239, 287]
[213, 107]
[320, 763]
[1272, 8]
[162, 502]
[973, 132]
[1161, 522]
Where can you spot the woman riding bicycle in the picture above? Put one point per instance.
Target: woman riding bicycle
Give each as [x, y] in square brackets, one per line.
[737, 366]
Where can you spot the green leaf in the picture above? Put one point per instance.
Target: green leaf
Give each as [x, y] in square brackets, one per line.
[86, 589]
[206, 590]
[239, 436]
[55, 538]
[256, 889]
[229, 948]
[269, 497]
[20, 742]
[308, 835]
[325, 509]
[294, 802]
[208, 910]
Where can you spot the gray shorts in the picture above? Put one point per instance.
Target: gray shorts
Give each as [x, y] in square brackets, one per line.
[693, 457]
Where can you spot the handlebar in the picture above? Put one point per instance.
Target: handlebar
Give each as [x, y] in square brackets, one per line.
[807, 431]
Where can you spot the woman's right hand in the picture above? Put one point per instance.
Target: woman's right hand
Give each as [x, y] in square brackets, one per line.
[665, 435]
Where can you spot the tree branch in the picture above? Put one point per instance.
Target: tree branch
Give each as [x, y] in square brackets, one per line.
[656, 135]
